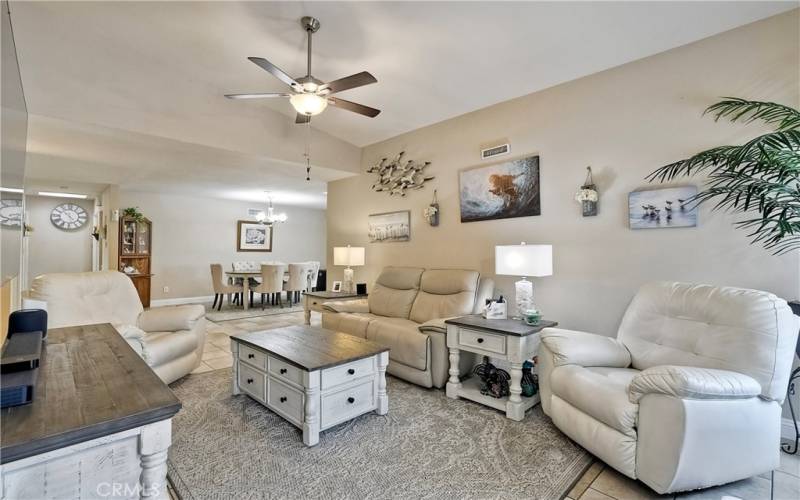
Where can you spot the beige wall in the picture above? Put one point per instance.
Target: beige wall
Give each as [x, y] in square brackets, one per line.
[624, 122]
[53, 250]
[191, 233]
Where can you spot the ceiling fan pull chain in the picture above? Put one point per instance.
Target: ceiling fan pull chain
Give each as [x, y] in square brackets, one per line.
[308, 146]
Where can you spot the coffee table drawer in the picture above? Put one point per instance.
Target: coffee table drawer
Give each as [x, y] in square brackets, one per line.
[253, 357]
[482, 340]
[285, 400]
[284, 370]
[341, 374]
[252, 382]
[343, 405]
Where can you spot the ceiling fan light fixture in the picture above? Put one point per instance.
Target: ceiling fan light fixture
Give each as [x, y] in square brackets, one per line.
[308, 104]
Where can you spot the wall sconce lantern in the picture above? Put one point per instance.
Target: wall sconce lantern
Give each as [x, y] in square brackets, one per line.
[587, 195]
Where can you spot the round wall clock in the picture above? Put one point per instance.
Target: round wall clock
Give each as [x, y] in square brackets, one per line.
[68, 216]
[11, 213]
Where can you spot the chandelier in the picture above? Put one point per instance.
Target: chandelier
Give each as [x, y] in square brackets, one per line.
[270, 217]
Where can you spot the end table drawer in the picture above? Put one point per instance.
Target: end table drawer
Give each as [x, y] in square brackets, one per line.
[285, 400]
[482, 340]
[347, 403]
[342, 374]
[285, 371]
[253, 357]
[252, 382]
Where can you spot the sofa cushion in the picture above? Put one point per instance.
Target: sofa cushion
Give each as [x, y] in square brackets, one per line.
[87, 298]
[394, 291]
[444, 293]
[406, 344]
[746, 331]
[598, 391]
[161, 347]
[350, 323]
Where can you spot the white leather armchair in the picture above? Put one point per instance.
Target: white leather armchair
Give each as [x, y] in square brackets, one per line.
[169, 339]
[689, 393]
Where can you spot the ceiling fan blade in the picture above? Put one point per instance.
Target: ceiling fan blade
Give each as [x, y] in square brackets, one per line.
[254, 96]
[354, 107]
[301, 118]
[349, 82]
[274, 70]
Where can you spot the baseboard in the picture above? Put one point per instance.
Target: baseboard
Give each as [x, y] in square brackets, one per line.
[181, 300]
[787, 428]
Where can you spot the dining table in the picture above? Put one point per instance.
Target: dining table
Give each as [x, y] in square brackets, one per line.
[246, 275]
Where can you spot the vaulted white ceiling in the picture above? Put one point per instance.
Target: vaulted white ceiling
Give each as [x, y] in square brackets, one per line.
[157, 71]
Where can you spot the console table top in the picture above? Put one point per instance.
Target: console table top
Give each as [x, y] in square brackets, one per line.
[311, 348]
[91, 384]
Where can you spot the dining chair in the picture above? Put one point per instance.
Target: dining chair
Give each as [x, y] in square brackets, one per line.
[271, 283]
[221, 288]
[298, 281]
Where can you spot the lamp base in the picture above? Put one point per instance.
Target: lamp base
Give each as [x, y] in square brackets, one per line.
[347, 283]
[524, 293]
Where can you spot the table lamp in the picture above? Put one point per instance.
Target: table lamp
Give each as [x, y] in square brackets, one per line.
[523, 260]
[348, 256]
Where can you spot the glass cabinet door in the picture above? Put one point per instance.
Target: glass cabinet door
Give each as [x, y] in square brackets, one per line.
[142, 238]
[128, 237]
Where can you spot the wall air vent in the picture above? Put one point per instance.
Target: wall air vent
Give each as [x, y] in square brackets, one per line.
[493, 151]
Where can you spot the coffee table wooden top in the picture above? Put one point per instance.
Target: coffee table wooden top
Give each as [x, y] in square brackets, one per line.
[311, 348]
[91, 384]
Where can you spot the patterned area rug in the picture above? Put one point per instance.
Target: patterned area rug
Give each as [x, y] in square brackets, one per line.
[428, 446]
[229, 313]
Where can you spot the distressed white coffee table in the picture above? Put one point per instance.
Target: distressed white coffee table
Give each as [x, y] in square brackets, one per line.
[312, 377]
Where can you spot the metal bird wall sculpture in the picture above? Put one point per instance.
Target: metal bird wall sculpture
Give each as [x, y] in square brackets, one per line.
[398, 175]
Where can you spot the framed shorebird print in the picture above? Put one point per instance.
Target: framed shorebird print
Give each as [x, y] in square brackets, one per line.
[501, 190]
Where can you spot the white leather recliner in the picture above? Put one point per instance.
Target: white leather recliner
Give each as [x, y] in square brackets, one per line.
[689, 393]
[169, 339]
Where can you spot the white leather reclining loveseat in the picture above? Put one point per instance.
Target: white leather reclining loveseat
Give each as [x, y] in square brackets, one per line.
[169, 339]
[689, 393]
[405, 311]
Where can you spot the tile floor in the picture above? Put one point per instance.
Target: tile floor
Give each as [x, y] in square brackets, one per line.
[599, 482]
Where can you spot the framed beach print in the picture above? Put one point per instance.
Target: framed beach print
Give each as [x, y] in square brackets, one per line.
[253, 237]
[390, 226]
[662, 208]
[501, 190]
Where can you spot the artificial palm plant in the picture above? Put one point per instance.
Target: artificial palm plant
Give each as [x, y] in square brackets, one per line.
[759, 178]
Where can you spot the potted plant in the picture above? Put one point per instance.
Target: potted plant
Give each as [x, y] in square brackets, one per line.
[759, 178]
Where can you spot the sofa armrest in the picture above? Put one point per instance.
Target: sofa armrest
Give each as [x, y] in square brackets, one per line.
[689, 382]
[171, 319]
[570, 347]
[347, 306]
[436, 325]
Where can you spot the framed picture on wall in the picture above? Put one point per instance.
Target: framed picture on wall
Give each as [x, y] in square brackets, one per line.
[662, 208]
[390, 226]
[501, 190]
[253, 237]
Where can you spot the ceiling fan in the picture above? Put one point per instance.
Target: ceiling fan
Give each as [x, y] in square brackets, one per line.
[309, 95]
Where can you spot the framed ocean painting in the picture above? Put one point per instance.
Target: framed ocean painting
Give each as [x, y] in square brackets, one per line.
[501, 190]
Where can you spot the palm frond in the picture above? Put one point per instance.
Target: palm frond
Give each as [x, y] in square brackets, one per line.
[735, 108]
[762, 176]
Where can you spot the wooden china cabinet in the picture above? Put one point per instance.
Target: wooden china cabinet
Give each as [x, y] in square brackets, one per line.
[135, 247]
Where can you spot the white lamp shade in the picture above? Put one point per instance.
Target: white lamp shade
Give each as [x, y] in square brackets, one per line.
[308, 104]
[523, 260]
[348, 256]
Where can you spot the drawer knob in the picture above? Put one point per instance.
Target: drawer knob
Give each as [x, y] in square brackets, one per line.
[283, 399]
[283, 370]
[351, 400]
[251, 356]
[351, 371]
[480, 340]
[249, 381]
